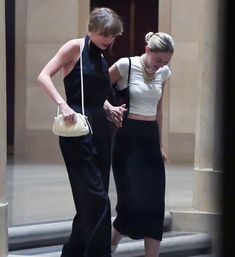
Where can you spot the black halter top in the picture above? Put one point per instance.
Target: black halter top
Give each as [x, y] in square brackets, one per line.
[95, 77]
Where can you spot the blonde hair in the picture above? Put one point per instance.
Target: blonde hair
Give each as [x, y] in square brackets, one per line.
[105, 21]
[159, 42]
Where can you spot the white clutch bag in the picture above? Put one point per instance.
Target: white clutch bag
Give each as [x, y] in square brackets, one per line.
[64, 129]
[82, 126]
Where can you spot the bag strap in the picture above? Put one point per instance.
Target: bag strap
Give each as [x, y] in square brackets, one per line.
[82, 88]
[82, 93]
[81, 73]
[129, 71]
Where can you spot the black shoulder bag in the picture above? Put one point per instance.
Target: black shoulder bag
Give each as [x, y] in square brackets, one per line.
[119, 97]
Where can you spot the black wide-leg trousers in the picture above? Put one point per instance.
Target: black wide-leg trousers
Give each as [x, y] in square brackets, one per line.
[87, 160]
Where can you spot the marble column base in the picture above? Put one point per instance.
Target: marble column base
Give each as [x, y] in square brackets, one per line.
[207, 190]
[198, 221]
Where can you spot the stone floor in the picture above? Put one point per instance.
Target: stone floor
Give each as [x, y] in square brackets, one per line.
[40, 193]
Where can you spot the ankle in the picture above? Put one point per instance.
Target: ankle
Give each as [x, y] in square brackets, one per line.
[116, 239]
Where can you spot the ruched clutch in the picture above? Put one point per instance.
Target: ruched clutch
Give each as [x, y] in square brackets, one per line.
[64, 129]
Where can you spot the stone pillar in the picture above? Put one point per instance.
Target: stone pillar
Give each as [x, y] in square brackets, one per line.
[207, 171]
[3, 204]
[195, 105]
[207, 162]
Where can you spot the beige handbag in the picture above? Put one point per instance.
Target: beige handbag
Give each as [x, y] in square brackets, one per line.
[82, 125]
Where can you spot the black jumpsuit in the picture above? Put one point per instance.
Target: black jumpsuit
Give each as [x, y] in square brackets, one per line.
[87, 159]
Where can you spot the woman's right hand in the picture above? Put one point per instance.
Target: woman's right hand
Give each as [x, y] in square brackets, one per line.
[68, 113]
[115, 113]
[164, 156]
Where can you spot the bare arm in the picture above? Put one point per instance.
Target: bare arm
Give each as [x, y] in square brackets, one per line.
[65, 60]
[114, 74]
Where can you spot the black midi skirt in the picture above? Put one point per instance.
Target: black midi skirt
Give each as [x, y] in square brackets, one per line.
[139, 174]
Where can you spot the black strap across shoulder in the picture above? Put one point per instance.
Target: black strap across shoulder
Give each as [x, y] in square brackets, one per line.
[129, 71]
[118, 97]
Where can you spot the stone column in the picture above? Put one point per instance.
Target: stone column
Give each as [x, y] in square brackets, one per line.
[3, 204]
[207, 171]
[207, 162]
[195, 98]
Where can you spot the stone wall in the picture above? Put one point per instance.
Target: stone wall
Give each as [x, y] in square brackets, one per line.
[42, 27]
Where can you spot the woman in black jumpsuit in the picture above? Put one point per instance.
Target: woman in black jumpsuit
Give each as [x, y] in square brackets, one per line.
[87, 158]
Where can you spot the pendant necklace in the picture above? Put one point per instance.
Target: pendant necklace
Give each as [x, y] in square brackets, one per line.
[148, 76]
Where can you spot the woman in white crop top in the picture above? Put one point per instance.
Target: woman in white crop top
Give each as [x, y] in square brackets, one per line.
[138, 159]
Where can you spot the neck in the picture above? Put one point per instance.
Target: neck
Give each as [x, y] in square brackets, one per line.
[143, 60]
[147, 74]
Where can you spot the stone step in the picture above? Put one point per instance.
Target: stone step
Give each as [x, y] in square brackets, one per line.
[206, 255]
[174, 244]
[48, 234]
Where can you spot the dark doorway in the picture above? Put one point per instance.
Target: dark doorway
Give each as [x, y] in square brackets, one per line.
[139, 17]
[10, 71]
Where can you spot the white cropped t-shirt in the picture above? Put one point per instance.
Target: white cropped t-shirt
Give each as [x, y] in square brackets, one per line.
[143, 97]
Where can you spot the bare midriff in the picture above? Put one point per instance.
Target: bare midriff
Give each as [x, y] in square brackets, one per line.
[141, 117]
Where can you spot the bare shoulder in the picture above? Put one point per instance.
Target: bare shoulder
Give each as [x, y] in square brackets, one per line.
[73, 44]
[70, 51]
[76, 41]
